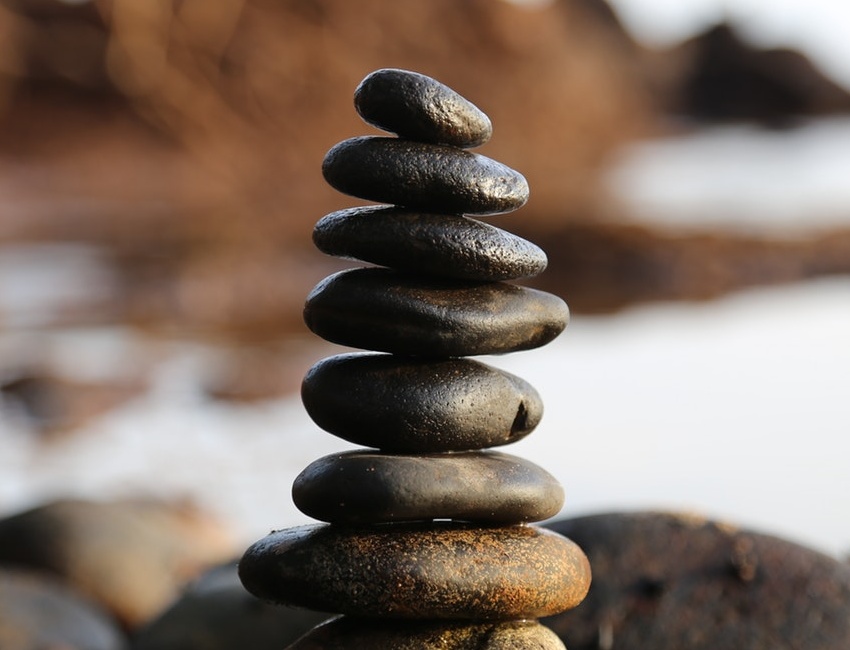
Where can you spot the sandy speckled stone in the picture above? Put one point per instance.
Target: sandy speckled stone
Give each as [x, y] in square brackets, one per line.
[408, 405]
[439, 570]
[421, 176]
[445, 245]
[418, 107]
[361, 487]
[347, 633]
[383, 310]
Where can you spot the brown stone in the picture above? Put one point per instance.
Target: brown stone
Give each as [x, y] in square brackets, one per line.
[346, 633]
[669, 582]
[439, 570]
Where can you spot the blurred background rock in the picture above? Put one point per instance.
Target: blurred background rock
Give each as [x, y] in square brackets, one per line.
[160, 178]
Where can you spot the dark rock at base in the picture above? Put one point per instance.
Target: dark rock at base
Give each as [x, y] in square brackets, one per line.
[414, 405]
[420, 176]
[362, 487]
[669, 582]
[439, 570]
[39, 613]
[418, 107]
[131, 557]
[346, 633]
[380, 309]
[216, 613]
[444, 245]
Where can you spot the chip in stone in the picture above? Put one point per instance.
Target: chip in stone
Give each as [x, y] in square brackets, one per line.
[405, 404]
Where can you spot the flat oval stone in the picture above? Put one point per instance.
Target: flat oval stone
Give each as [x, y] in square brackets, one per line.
[422, 176]
[418, 107]
[383, 310]
[439, 570]
[444, 245]
[404, 404]
[346, 633]
[363, 487]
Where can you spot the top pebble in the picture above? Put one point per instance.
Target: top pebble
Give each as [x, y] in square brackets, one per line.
[419, 108]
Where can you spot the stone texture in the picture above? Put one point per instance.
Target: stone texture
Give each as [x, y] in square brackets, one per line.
[40, 613]
[668, 582]
[408, 405]
[422, 176]
[422, 571]
[420, 108]
[444, 245]
[379, 309]
[346, 633]
[362, 487]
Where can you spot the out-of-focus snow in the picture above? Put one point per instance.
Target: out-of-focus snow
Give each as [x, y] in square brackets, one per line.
[738, 408]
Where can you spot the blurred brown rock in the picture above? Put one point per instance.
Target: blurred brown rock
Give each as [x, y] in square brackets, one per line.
[40, 613]
[674, 581]
[131, 557]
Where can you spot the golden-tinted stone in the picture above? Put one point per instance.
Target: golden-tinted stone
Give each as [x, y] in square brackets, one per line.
[347, 633]
[439, 570]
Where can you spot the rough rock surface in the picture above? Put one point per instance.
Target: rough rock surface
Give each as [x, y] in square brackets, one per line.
[667, 581]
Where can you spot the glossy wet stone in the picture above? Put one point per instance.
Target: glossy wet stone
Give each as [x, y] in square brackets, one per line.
[379, 309]
[438, 570]
[422, 176]
[346, 633]
[405, 404]
[445, 245]
[362, 487]
[418, 107]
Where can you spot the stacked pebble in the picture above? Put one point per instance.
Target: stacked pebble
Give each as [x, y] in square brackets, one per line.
[427, 544]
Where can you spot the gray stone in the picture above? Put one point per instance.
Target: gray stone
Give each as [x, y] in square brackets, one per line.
[408, 405]
[38, 613]
[380, 309]
[439, 570]
[363, 487]
[444, 245]
[347, 633]
[428, 177]
[417, 107]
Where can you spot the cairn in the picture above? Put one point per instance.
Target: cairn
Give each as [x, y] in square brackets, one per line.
[427, 543]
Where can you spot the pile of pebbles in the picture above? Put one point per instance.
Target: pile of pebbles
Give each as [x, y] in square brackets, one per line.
[427, 542]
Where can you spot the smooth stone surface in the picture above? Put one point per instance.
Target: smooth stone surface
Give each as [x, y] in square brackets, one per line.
[347, 633]
[667, 582]
[439, 570]
[418, 107]
[404, 404]
[38, 612]
[444, 245]
[387, 311]
[421, 176]
[362, 487]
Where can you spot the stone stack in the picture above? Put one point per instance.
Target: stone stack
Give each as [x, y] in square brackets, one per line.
[427, 543]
